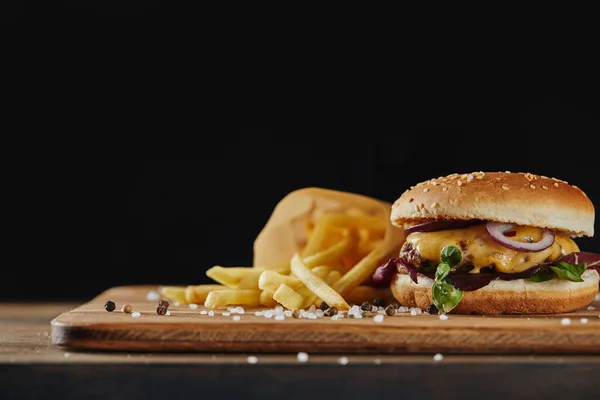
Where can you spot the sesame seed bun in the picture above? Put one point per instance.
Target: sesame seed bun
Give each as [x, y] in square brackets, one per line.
[505, 297]
[520, 198]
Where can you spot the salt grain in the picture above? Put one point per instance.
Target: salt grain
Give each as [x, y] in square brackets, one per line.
[168, 312]
[378, 318]
[152, 296]
[236, 317]
[565, 321]
[193, 306]
[583, 320]
[597, 298]
[136, 314]
[591, 308]
[279, 317]
[258, 313]
[342, 360]
[225, 314]
[438, 357]
[413, 312]
[203, 312]
[377, 361]
[211, 313]
[67, 355]
[443, 317]
[252, 360]
[176, 303]
[302, 357]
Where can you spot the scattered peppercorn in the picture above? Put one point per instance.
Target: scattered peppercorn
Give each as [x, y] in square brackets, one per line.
[396, 305]
[163, 305]
[295, 313]
[126, 308]
[378, 302]
[331, 311]
[432, 309]
[109, 306]
[390, 310]
[365, 314]
[324, 306]
[365, 306]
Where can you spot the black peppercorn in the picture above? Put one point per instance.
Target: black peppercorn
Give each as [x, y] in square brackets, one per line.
[365, 306]
[323, 306]
[390, 310]
[432, 309]
[109, 306]
[163, 305]
[331, 311]
[377, 302]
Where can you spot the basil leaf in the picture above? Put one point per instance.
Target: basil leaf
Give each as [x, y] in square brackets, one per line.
[451, 255]
[445, 296]
[542, 275]
[442, 271]
[567, 272]
[578, 268]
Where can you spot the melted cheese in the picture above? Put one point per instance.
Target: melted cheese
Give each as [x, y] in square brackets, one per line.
[480, 250]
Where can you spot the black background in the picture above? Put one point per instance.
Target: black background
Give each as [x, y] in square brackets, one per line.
[158, 156]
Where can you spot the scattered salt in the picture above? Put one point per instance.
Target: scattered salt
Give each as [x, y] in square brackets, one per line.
[236, 317]
[591, 308]
[211, 313]
[176, 303]
[438, 357]
[443, 317]
[583, 320]
[225, 314]
[378, 318]
[374, 308]
[279, 317]
[288, 313]
[334, 317]
[377, 361]
[402, 309]
[302, 357]
[413, 312]
[203, 312]
[168, 312]
[67, 355]
[312, 308]
[342, 360]
[252, 360]
[136, 314]
[152, 296]
[597, 298]
[319, 313]
[268, 314]
[565, 321]
[193, 306]
[258, 313]
[278, 308]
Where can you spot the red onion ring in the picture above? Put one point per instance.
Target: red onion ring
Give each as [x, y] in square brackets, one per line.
[496, 231]
[439, 225]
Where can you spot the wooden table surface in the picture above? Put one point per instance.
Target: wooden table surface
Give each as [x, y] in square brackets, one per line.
[31, 367]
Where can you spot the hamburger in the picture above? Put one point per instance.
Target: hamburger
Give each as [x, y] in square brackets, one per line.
[494, 243]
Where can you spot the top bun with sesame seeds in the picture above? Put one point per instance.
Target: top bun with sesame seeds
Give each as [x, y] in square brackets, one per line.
[520, 198]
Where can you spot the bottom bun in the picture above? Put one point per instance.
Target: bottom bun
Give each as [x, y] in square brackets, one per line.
[506, 297]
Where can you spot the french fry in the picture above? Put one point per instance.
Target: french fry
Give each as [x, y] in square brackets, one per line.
[321, 271]
[229, 297]
[317, 285]
[333, 277]
[367, 293]
[174, 293]
[235, 277]
[271, 280]
[288, 297]
[266, 299]
[283, 268]
[358, 273]
[334, 252]
[196, 294]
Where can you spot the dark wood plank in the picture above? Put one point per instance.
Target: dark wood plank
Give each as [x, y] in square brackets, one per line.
[91, 327]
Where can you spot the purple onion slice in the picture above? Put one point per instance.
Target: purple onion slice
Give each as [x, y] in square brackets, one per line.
[496, 231]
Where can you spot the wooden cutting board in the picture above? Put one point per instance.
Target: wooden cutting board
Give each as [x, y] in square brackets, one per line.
[89, 326]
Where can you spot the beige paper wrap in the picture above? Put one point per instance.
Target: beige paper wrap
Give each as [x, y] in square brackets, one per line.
[285, 231]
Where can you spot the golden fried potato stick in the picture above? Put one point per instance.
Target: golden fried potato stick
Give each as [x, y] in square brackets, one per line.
[174, 293]
[235, 277]
[196, 294]
[317, 285]
[288, 297]
[271, 280]
[266, 298]
[333, 253]
[229, 297]
[359, 273]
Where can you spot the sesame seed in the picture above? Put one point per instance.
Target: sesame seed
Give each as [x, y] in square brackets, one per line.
[193, 306]
[498, 179]
[426, 190]
[545, 187]
[532, 186]
[443, 317]
[470, 177]
[302, 357]
[378, 318]
[459, 183]
[556, 184]
[435, 204]
[342, 360]
[504, 187]
[251, 360]
[583, 320]
[136, 314]
[438, 357]
[434, 183]
[236, 318]
[565, 321]
[445, 188]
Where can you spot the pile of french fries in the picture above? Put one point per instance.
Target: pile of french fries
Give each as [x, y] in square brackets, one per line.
[342, 251]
